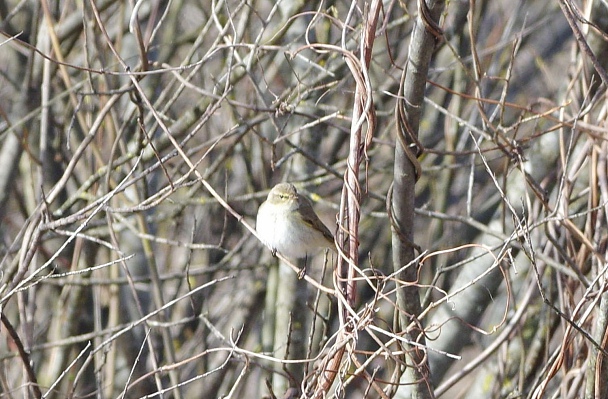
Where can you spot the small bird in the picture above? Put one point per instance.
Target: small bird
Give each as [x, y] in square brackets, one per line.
[287, 223]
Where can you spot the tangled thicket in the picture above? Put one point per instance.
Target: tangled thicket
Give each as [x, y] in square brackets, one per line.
[139, 138]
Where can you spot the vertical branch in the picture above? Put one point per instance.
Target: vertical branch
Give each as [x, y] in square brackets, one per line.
[25, 357]
[406, 172]
[350, 211]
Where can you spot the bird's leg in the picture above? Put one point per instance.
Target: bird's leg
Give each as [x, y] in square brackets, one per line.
[302, 271]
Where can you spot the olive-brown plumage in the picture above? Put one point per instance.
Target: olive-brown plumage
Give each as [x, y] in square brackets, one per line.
[287, 223]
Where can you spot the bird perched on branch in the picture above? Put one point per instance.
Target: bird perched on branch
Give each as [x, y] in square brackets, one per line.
[287, 223]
